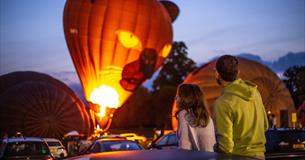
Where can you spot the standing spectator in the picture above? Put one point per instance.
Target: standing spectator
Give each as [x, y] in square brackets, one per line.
[240, 116]
[273, 120]
[195, 126]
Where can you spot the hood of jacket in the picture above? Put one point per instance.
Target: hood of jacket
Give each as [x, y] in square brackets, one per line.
[243, 89]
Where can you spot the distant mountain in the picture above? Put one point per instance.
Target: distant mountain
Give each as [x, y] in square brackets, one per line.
[251, 57]
[280, 65]
[68, 77]
[291, 59]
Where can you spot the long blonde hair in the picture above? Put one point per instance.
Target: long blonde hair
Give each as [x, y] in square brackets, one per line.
[189, 97]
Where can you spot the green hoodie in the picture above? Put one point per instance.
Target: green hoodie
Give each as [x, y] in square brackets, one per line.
[241, 120]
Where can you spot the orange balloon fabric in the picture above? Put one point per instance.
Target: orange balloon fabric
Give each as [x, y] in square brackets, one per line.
[117, 43]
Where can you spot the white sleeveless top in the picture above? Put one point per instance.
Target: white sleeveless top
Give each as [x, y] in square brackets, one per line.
[195, 138]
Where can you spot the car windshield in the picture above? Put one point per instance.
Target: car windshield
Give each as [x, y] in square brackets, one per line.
[51, 144]
[286, 136]
[169, 138]
[119, 146]
[279, 141]
[26, 149]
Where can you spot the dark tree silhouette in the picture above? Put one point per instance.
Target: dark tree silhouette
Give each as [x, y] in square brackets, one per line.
[175, 68]
[136, 111]
[295, 82]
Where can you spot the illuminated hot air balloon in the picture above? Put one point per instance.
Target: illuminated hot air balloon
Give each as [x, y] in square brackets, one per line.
[116, 45]
[275, 95]
[38, 105]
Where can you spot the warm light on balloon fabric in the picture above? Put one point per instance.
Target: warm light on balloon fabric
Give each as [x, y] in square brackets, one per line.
[105, 97]
[117, 44]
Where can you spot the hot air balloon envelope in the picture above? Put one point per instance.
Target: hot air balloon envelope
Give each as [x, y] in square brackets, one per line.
[40, 106]
[117, 44]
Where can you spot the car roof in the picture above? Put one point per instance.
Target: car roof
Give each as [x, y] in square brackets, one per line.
[23, 139]
[114, 140]
[128, 134]
[111, 136]
[160, 155]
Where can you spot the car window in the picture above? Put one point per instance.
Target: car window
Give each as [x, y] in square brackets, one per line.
[96, 148]
[26, 148]
[288, 136]
[120, 146]
[51, 144]
[279, 141]
[163, 140]
[172, 139]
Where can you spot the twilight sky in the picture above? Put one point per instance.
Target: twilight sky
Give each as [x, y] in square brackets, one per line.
[32, 38]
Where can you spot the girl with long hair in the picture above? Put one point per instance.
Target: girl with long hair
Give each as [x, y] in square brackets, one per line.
[195, 126]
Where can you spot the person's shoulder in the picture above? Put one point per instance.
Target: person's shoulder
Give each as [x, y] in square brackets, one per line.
[185, 115]
[182, 113]
[223, 105]
[222, 100]
[219, 100]
[210, 124]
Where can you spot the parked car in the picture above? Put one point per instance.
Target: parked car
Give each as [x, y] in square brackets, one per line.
[160, 155]
[134, 137]
[25, 148]
[167, 141]
[84, 145]
[108, 145]
[285, 143]
[56, 147]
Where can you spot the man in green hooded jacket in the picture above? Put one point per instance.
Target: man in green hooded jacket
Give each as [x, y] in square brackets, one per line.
[239, 113]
